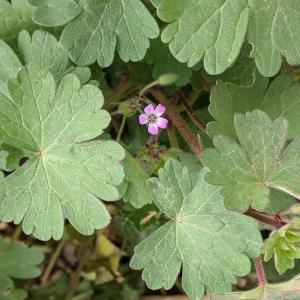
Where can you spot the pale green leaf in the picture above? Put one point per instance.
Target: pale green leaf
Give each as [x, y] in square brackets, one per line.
[209, 243]
[65, 173]
[213, 30]
[55, 12]
[283, 244]
[273, 32]
[9, 158]
[262, 161]
[280, 98]
[156, 3]
[10, 65]
[99, 27]
[135, 180]
[15, 16]
[289, 290]
[165, 63]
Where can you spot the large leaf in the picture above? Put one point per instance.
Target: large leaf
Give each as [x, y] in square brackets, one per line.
[261, 161]
[15, 16]
[64, 175]
[211, 244]
[273, 31]
[280, 98]
[96, 28]
[289, 290]
[214, 30]
[135, 183]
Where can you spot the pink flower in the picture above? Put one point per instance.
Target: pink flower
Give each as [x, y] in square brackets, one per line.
[152, 118]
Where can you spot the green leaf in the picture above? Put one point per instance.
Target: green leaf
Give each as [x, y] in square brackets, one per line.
[156, 3]
[19, 261]
[210, 243]
[64, 174]
[283, 244]
[262, 161]
[213, 30]
[8, 290]
[165, 63]
[15, 16]
[10, 65]
[135, 180]
[289, 290]
[9, 158]
[242, 73]
[96, 28]
[280, 98]
[273, 31]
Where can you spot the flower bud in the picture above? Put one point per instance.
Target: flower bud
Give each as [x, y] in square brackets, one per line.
[129, 107]
[167, 79]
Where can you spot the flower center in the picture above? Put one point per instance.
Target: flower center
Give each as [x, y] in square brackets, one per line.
[152, 118]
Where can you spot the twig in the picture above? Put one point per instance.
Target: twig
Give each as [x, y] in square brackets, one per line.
[52, 262]
[268, 219]
[260, 271]
[179, 122]
[200, 124]
[123, 123]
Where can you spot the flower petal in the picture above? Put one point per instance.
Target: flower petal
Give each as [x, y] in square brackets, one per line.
[143, 119]
[149, 109]
[162, 123]
[159, 110]
[153, 129]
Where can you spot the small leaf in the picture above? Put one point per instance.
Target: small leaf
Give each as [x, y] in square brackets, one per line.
[211, 244]
[262, 161]
[280, 98]
[273, 31]
[9, 158]
[135, 179]
[283, 244]
[65, 173]
[96, 28]
[15, 16]
[214, 30]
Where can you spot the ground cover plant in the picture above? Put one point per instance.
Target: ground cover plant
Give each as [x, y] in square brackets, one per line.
[149, 147]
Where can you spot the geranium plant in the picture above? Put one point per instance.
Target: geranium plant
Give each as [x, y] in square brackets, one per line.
[149, 145]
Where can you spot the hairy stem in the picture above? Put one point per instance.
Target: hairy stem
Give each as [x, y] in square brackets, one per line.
[172, 135]
[199, 123]
[260, 271]
[266, 218]
[179, 122]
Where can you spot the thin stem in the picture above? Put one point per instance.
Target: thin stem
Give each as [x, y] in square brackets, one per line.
[84, 256]
[17, 233]
[52, 262]
[268, 219]
[179, 122]
[172, 136]
[123, 123]
[260, 271]
[199, 123]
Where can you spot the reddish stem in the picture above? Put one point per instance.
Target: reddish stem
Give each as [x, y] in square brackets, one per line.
[179, 122]
[269, 219]
[260, 271]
